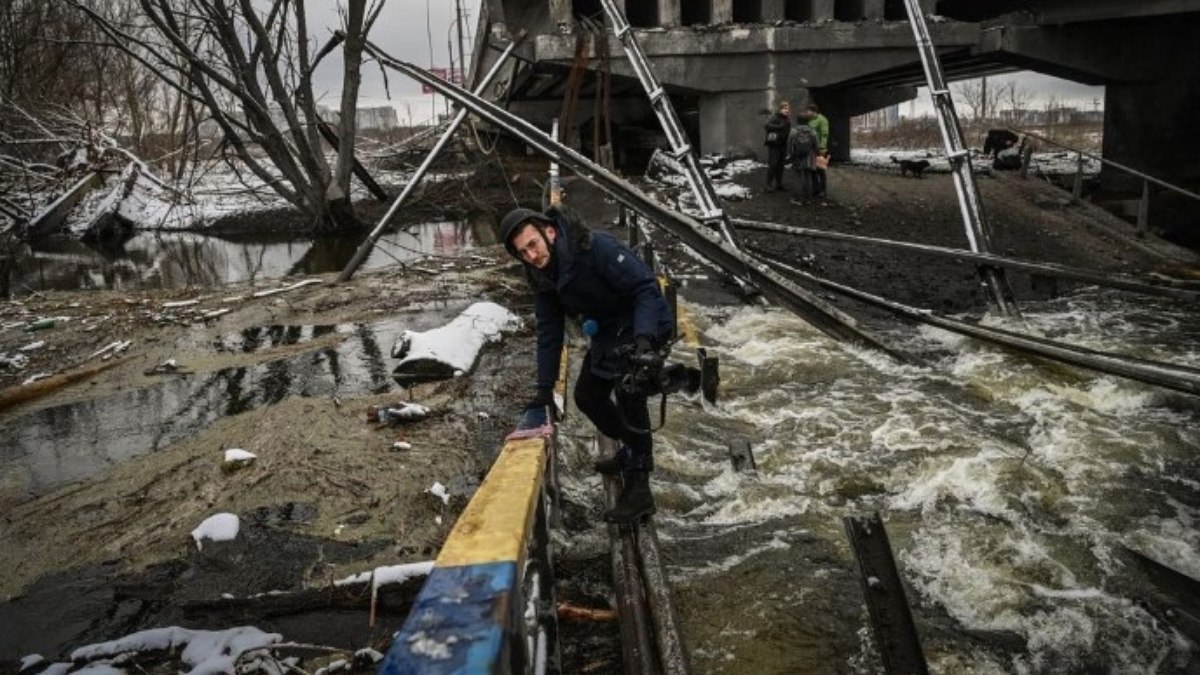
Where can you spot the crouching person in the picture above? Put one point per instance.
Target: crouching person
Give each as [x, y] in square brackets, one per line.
[592, 277]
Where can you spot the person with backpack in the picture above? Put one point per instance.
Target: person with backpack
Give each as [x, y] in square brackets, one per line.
[802, 144]
[777, 129]
[591, 276]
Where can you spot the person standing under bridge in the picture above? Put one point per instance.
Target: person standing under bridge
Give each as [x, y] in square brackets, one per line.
[819, 124]
[777, 129]
[593, 277]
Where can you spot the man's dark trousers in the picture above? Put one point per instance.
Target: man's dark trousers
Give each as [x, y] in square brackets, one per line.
[593, 398]
[776, 155]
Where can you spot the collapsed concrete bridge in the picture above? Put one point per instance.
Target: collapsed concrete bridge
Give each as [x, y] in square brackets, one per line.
[724, 62]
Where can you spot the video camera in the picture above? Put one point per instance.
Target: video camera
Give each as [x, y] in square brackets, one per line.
[648, 373]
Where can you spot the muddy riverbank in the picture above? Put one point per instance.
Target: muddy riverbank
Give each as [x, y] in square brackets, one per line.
[289, 376]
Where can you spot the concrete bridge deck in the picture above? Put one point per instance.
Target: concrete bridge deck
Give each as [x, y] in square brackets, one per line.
[725, 61]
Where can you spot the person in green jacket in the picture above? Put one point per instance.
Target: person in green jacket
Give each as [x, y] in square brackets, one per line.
[820, 124]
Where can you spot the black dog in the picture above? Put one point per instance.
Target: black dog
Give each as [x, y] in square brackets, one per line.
[914, 166]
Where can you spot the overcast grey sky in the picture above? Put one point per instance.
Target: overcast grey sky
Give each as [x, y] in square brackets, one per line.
[1041, 88]
[403, 32]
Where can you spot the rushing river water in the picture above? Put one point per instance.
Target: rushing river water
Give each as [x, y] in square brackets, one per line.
[1011, 490]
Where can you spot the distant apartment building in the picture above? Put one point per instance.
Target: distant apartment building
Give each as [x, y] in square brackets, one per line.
[877, 120]
[1044, 116]
[379, 118]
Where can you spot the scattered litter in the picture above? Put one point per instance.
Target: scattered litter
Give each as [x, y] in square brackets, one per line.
[236, 458]
[215, 313]
[165, 368]
[33, 346]
[285, 289]
[105, 349]
[402, 445]
[439, 490]
[221, 527]
[40, 324]
[14, 362]
[482, 415]
[395, 413]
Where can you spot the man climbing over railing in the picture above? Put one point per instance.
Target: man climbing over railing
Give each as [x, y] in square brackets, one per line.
[599, 281]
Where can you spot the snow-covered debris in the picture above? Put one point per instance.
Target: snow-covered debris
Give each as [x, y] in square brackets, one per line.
[452, 349]
[390, 574]
[207, 652]
[221, 527]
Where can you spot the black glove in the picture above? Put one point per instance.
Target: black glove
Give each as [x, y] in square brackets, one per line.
[643, 351]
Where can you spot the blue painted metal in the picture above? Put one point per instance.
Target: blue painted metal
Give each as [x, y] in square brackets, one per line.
[458, 623]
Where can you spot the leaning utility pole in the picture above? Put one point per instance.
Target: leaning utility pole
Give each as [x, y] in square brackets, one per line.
[992, 278]
[462, 53]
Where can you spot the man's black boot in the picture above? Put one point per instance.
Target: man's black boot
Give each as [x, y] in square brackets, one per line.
[620, 461]
[635, 501]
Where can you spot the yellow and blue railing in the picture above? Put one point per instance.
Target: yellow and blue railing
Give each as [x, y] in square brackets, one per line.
[488, 604]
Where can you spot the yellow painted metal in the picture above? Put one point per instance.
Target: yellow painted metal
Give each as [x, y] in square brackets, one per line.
[495, 525]
[687, 325]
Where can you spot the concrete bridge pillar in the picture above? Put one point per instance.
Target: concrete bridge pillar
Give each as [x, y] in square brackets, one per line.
[560, 13]
[821, 10]
[1151, 126]
[732, 122]
[772, 10]
[668, 13]
[721, 11]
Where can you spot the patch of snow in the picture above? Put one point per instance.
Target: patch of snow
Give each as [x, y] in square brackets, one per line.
[239, 455]
[33, 346]
[457, 344]
[392, 574]
[439, 490]
[207, 652]
[221, 527]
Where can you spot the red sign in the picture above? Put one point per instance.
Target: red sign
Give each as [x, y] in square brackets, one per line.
[442, 74]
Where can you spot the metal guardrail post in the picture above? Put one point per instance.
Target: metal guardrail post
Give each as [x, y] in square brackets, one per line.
[1026, 160]
[1108, 162]
[1077, 186]
[1143, 218]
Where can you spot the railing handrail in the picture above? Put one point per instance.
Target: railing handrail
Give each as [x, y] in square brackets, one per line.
[1118, 165]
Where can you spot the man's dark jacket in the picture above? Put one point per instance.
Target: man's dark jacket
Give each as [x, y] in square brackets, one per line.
[594, 276]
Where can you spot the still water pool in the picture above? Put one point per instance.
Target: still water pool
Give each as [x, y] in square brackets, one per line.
[171, 260]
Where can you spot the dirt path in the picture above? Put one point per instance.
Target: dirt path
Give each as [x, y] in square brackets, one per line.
[1029, 219]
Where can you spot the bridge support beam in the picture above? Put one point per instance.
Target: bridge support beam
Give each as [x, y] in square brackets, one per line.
[1152, 127]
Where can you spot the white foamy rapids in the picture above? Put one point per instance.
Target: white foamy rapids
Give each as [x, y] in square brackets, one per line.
[1011, 482]
[981, 578]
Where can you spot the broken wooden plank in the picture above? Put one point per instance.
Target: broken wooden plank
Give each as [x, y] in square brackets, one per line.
[52, 218]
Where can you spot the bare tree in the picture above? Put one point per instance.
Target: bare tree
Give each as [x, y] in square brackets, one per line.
[248, 64]
[976, 95]
[1017, 98]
